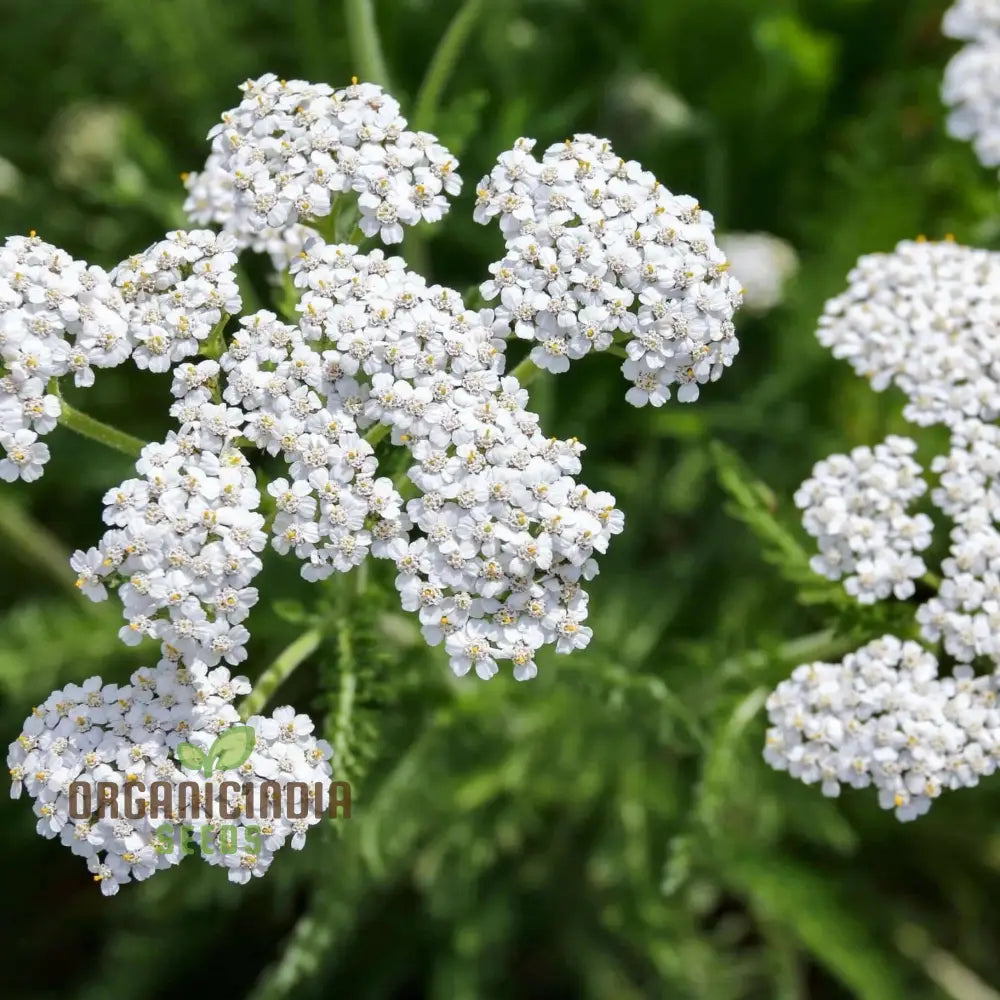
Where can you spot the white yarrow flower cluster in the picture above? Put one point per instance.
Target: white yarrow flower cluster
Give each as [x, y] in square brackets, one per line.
[492, 537]
[508, 534]
[924, 318]
[61, 317]
[291, 147]
[855, 506]
[597, 248]
[212, 199]
[971, 86]
[127, 737]
[331, 511]
[58, 316]
[882, 718]
[965, 614]
[177, 290]
[285, 751]
[183, 542]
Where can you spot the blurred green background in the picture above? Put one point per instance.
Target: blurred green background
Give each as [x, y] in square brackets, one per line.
[609, 830]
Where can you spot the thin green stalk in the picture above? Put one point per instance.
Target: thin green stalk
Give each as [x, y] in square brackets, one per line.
[215, 343]
[376, 433]
[364, 43]
[37, 546]
[346, 690]
[525, 372]
[279, 671]
[427, 104]
[104, 434]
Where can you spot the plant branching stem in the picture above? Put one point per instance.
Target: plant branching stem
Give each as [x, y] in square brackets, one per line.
[105, 434]
[279, 671]
[427, 104]
[364, 42]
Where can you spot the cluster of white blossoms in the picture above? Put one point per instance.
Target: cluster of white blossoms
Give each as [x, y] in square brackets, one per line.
[291, 147]
[924, 318]
[506, 533]
[971, 86]
[855, 506]
[491, 534]
[597, 248]
[965, 614]
[176, 291]
[57, 316]
[182, 545]
[331, 511]
[212, 200]
[883, 718]
[96, 759]
[491, 554]
[61, 317]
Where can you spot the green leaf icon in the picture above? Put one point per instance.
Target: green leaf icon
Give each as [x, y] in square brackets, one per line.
[190, 756]
[230, 749]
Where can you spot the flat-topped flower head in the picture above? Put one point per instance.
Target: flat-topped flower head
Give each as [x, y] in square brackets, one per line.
[971, 85]
[88, 740]
[925, 318]
[290, 148]
[58, 317]
[883, 718]
[176, 291]
[856, 507]
[598, 251]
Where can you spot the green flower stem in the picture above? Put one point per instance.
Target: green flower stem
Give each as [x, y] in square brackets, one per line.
[279, 671]
[36, 545]
[104, 434]
[364, 42]
[932, 580]
[427, 105]
[425, 108]
[376, 433]
[526, 372]
[346, 691]
[215, 343]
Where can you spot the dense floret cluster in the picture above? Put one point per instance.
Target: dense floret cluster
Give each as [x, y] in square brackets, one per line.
[126, 738]
[971, 84]
[283, 156]
[598, 249]
[855, 506]
[924, 318]
[882, 718]
[278, 422]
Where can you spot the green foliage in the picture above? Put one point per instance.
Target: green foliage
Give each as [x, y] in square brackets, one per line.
[609, 830]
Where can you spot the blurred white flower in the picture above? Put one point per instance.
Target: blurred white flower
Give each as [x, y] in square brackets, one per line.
[763, 263]
[87, 140]
[10, 179]
[971, 86]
